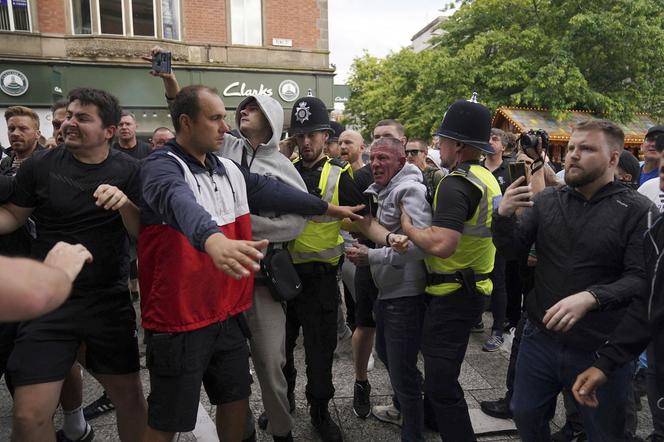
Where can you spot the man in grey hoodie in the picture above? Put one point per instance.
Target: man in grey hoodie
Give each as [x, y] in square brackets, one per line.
[259, 120]
[400, 279]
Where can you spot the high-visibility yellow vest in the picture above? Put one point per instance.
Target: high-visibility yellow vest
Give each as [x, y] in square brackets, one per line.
[475, 249]
[320, 240]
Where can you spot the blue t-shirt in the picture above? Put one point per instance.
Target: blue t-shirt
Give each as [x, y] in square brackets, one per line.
[648, 176]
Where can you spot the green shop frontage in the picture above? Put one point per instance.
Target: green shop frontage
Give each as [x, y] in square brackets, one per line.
[39, 84]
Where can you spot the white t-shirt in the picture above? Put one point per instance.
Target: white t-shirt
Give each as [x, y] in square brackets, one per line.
[651, 190]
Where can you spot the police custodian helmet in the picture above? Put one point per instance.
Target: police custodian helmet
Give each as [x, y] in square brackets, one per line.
[469, 123]
[309, 114]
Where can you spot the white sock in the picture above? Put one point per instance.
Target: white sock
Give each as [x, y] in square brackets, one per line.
[74, 426]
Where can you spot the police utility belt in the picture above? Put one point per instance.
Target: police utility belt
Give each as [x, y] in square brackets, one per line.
[466, 277]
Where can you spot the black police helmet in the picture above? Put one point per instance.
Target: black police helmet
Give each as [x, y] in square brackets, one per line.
[309, 114]
[468, 123]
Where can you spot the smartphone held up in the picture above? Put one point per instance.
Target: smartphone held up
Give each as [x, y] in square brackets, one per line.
[516, 170]
[161, 63]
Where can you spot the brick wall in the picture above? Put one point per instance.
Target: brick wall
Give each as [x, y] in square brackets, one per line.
[204, 21]
[51, 14]
[294, 19]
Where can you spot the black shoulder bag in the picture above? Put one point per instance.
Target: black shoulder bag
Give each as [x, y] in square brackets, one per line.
[280, 275]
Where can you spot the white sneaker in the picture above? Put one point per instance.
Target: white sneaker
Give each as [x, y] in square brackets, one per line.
[387, 413]
[370, 364]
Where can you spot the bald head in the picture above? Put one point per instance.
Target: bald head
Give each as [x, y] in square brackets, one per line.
[351, 145]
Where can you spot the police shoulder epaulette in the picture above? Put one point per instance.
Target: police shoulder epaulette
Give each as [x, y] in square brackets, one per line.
[337, 162]
[462, 169]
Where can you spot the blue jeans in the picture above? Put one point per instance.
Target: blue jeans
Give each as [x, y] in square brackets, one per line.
[398, 339]
[544, 367]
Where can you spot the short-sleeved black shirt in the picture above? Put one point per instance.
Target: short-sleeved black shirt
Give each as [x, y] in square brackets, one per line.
[457, 200]
[349, 193]
[139, 151]
[61, 188]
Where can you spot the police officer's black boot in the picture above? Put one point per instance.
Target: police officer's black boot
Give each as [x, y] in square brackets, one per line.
[326, 428]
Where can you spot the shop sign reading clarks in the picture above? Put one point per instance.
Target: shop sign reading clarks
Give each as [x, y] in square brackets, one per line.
[288, 90]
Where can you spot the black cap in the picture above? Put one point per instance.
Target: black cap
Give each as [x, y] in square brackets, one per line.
[338, 129]
[309, 114]
[468, 123]
[655, 130]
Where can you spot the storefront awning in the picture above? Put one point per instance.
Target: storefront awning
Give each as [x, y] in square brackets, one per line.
[521, 120]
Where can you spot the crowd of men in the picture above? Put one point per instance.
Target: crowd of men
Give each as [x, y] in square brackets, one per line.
[416, 244]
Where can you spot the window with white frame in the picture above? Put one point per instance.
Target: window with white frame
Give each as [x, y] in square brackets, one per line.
[145, 18]
[246, 22]
[142, 17]
[81, 17]
[15, 15]
[170, 19]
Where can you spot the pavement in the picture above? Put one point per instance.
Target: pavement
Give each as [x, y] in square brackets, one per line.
[482, 378]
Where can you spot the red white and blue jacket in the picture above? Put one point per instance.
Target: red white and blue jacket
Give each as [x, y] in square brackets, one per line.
[183, 204]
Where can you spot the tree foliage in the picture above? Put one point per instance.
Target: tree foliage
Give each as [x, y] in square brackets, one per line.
[601, 55]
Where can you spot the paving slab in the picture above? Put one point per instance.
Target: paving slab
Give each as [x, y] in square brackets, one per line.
[482, 377]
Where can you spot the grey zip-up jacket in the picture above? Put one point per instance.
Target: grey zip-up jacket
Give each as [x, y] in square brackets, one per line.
[400, 275]
[267, 160]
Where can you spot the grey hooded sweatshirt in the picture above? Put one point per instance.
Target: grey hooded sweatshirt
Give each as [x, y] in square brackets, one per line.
[267, 160]
[400, 275]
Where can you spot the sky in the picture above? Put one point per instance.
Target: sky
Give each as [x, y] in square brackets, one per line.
[378, 26]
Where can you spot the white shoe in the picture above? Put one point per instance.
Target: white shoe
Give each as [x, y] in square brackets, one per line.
[387, 413]
[370, 364]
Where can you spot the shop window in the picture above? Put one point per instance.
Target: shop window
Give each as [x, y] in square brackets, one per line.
[246, 22]
[81, 16]
[110, 17]
[14, 15]
[142, 12]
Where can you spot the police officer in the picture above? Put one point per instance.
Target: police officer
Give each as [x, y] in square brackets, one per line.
[461, 257]
[316, 254]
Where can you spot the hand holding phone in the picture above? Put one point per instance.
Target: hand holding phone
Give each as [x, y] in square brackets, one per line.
[161, 63]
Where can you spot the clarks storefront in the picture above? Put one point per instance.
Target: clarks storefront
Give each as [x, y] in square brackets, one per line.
[38, 85]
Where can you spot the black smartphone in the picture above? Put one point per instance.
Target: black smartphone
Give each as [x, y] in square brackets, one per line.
[161, 62]
[516, 170]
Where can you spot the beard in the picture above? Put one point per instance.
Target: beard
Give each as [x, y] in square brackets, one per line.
[584, 178]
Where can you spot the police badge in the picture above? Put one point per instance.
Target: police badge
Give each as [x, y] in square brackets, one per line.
[302, 112]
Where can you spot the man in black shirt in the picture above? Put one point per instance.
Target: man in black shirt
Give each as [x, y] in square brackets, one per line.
[127, 141]
[81, 192]
[589, 237]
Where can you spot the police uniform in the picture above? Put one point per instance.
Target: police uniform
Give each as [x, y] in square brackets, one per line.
[316, 253]
[457, 286]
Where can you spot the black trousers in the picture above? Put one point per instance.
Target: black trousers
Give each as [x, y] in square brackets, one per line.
[446, 330]
[315, 310]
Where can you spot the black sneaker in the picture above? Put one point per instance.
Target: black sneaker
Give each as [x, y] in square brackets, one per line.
[97, 408]
[568, 434]
[361, 400]
[499, 409]
[87, 436]
[262, 421]
[327, 429]
[478, 328]
[286, 438]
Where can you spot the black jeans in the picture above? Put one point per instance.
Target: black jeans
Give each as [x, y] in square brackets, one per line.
[315, 309]
[446, 330]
